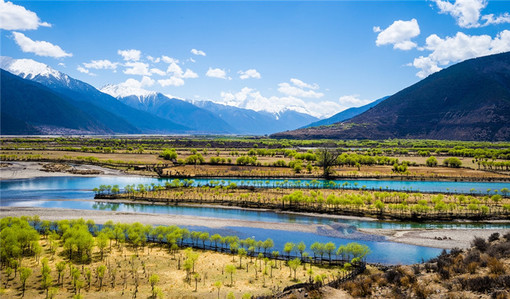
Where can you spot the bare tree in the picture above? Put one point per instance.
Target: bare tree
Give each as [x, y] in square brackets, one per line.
[327, 158]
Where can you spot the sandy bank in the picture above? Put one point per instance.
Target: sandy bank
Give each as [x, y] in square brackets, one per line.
[26, 170]
[450, 238]
[101, 217]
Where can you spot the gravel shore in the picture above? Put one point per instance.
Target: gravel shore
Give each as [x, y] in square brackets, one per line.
[438, 238]
[27, 170]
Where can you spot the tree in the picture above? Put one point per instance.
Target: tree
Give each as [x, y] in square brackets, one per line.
[452, 162]
[102, 240]
[431, 161]
[217, 284]
[268, 244]
[100, 271]
[196, 276]
[329, 248]
[317, 249]
[60, 267]
[241, 253]
[301, 247]
[293, 265]
[24, 274]
[153, 280]
[288, 248]
[327, 158]
[231, 269]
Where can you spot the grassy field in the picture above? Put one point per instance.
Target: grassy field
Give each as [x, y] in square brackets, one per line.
[127, 271]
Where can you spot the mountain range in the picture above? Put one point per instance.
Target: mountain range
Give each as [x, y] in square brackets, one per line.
[466, 101]
[117, 110]
[345, 114]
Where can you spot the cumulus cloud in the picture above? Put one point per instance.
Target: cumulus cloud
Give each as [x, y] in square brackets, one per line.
[40, 48]
[158, 71]
[468, 13]
[297, 89]
[251, 73]
[399, 34]
[16, 17]
[137, 68]
[352, 101]
[152, 59]
[216, 73]
[130, 55]
[197, 52]
[458, 48]
[82, 70]
[189, 74]
[172, 81]
[167, 59]
[103, 64]
[250, 98]
[302, 84]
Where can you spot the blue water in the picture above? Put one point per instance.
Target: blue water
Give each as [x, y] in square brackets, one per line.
[62, 192]
[81, 187]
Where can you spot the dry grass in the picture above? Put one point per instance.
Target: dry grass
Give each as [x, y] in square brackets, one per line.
[172, 281]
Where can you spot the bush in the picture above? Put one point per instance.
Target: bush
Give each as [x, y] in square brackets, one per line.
[480, 244]
[493, 237]
[496, 267]
[431, 161]
[500, 250]
[452, 162]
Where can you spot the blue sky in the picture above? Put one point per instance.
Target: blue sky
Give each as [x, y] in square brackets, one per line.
[318, 57]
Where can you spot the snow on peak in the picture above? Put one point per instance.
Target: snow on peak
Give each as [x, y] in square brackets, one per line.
[28, 68]
[126, 89]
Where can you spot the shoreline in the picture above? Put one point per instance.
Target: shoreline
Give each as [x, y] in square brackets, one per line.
[455, 238]
[30, 170]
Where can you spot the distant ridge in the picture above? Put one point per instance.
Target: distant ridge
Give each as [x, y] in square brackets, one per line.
[345, 115]
[466, 101]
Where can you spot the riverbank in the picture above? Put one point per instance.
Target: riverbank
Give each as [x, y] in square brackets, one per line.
[27, 170]
[450, 238]
[438, 238]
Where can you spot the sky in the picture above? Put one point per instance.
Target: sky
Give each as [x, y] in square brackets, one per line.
[315, 57]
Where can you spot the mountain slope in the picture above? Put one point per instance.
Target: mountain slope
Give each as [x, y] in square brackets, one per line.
[345, 115]
[247, 121]
[178, 111]
[467, 101]
[30, 108]
[98, 104]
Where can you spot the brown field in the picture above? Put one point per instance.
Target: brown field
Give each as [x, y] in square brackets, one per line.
[172, 282]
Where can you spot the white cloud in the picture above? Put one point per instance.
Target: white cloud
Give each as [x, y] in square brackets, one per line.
[294, 91]
[152, 59]
[251, 73]
[158, 71]
[172, 81]
[137, 68]
[216, 73]
[352, 101]
[146, 81]
[376, 29]
[298, 89]
[16, 17]
[399, 34]
[458, 48]
[82, 70]
[40, 48]
[250, 98]
[467, 13]
[130, 55]
[62, 64]
[490, 19]
[197, 52]
[167, 59]
[192, 60]
[302, 84]
[189, 74]
[101, 64]
[175, 69]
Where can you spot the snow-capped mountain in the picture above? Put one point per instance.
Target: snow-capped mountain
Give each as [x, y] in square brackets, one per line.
[177, 110]
[97, 104]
